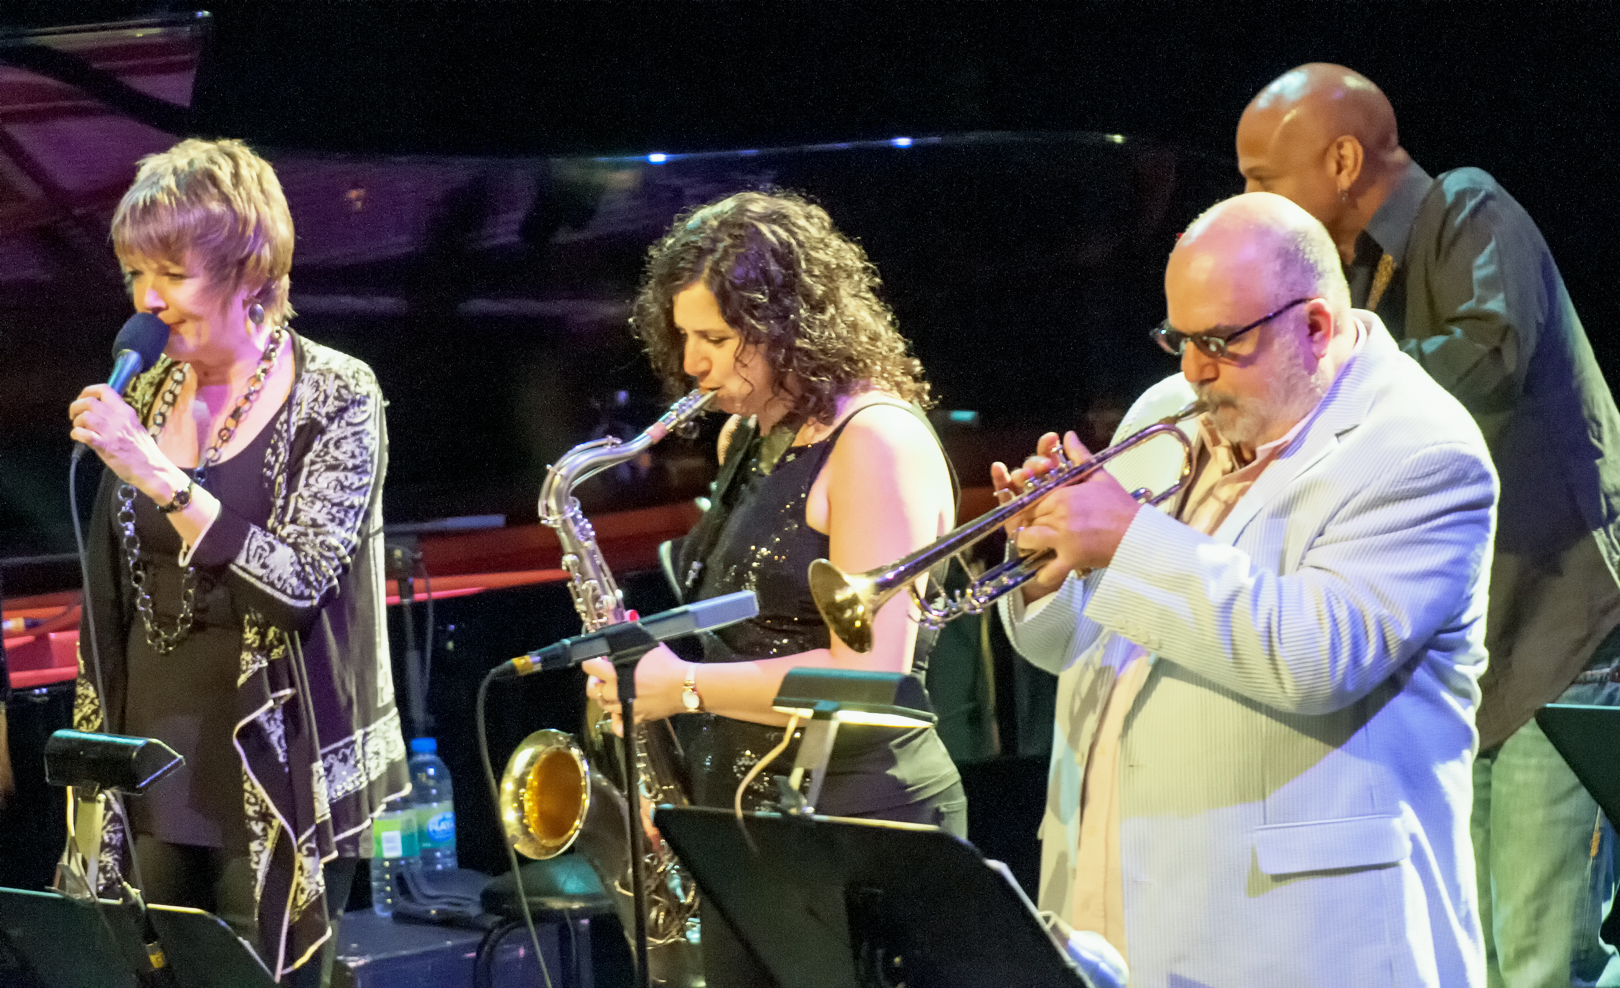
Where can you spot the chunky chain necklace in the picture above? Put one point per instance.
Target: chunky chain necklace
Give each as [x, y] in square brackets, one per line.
[163, 640]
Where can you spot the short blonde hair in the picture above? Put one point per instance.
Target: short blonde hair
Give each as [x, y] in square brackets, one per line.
[220, 205]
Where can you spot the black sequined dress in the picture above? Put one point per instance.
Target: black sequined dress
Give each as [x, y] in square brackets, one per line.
[754, 537]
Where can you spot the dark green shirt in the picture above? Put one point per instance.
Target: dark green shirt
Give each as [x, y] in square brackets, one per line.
[1478, 301]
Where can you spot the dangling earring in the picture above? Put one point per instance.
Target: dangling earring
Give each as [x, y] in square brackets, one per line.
[1344, 196]
[255, 314]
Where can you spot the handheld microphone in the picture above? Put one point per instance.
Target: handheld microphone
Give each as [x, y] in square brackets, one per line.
[140, 342]
[634, 636]
[137, 347]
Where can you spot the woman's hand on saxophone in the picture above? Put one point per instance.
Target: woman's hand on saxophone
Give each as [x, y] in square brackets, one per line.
[605, 693]
[660, 677]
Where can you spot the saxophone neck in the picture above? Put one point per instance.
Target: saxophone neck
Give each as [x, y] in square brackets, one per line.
[589, 459]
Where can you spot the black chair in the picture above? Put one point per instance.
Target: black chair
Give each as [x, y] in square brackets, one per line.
[562, 890]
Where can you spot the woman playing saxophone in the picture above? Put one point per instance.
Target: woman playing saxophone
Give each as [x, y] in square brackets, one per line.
[760, 300]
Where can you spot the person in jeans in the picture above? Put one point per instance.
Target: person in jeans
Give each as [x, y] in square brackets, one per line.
[1457, 270]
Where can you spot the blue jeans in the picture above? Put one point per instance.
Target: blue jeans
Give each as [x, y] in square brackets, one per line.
[1545, 857]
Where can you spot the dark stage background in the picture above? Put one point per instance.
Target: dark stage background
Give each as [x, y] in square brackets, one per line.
[1526, 91]
[1523, 90]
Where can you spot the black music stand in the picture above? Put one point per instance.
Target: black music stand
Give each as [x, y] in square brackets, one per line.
[837, 903]
[1588, 737]
[69, 943]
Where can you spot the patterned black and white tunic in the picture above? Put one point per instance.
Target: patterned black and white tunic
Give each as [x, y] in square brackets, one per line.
[319, 740]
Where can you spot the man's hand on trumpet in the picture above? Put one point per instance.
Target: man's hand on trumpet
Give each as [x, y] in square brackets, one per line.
[1082, 523]
[1009, 484]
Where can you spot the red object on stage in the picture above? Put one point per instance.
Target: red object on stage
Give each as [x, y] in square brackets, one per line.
[40, 660]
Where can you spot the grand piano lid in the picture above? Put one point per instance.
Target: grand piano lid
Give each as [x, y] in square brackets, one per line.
[490, 294]
[123, 90]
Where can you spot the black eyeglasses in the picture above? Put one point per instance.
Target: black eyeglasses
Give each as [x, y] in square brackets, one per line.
[1175, 341]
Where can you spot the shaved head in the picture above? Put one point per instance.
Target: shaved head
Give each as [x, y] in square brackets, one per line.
[1261, 247]
[1248, 257]
[1323, 136]
[1333, 100]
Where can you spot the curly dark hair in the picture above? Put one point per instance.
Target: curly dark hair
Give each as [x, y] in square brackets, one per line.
[788, 281]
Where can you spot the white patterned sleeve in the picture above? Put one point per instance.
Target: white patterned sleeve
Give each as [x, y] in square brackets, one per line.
[287, 572]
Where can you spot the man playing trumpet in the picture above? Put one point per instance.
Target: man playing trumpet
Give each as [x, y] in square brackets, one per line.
[1266, 694]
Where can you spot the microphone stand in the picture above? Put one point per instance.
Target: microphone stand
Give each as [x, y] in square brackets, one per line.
[403, 554]
[623, 645]
[627, 643]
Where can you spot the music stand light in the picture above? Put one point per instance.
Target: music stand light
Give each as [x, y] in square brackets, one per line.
[107, 762]
[90, 766]
[826, 698]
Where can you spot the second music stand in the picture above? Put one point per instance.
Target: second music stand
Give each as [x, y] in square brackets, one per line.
[824, 902]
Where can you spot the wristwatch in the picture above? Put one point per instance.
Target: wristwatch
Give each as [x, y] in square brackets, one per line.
[182, 497]
[689, 694]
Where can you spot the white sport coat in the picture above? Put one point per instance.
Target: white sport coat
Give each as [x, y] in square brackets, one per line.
[1296, 781]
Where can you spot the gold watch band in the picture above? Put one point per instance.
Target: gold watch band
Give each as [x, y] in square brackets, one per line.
[690, 698]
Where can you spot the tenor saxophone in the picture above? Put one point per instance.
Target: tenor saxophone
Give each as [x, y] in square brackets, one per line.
[551, 794]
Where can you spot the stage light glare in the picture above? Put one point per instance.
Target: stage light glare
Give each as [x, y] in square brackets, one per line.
[657, 157]
[900, 142]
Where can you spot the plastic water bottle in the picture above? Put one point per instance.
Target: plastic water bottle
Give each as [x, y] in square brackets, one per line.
[435, 806]
[394, 848]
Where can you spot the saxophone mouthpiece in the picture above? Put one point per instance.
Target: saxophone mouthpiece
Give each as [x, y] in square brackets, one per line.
[688, 410]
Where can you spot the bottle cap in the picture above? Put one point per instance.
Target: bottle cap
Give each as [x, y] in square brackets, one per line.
[421, 745]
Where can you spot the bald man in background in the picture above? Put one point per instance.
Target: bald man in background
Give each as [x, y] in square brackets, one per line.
[1260, 774]
[1463, 279]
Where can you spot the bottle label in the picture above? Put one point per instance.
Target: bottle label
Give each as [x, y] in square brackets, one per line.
[394, 837]
[437, 822]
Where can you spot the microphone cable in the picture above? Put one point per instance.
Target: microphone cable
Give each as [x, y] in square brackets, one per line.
[482, 727]
[84, 580]
[159, 973]
[113, 799]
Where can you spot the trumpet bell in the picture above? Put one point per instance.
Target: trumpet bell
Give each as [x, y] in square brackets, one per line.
[545, 794]
[847, 603]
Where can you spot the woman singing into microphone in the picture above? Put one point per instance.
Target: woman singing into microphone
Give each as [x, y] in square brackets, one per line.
[235, 571]
[759, 299]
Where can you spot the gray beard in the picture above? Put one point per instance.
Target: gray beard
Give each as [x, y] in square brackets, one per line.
[1290, 396]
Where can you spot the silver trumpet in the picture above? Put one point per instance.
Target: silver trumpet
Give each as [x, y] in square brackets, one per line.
[850, 602]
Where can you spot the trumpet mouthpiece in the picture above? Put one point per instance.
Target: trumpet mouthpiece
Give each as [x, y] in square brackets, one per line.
[1188, 411]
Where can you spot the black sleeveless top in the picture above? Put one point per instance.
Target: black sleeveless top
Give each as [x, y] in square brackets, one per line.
[187, 698]
[754, 537]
